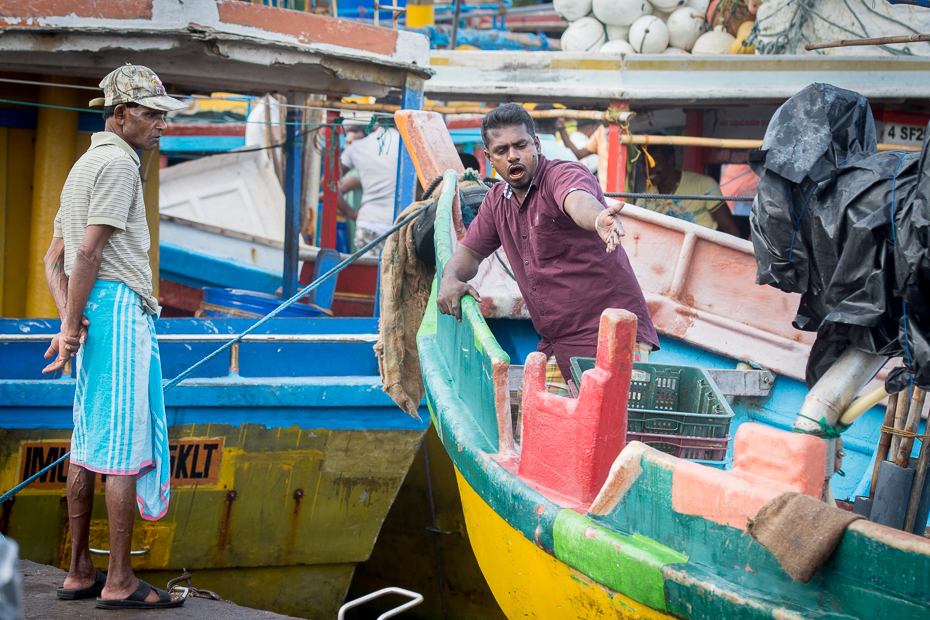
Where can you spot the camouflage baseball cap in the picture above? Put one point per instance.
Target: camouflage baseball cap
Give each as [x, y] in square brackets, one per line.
[136, 84]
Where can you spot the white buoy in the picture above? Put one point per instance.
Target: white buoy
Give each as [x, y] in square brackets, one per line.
[620, 12]
[617, 47]
[699, 5]
[649, 35]
[667, 6]
[684, 27]
[716, 41]
[572, 10]
[583, 35]
[617, 33]
[675, 51]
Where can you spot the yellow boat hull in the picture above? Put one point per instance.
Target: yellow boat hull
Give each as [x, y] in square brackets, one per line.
[528, 582]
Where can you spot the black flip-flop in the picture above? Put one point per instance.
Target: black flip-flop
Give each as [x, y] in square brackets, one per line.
[91, 592]
[136, 600]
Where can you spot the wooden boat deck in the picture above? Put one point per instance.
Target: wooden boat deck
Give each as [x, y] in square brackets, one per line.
[39, 583]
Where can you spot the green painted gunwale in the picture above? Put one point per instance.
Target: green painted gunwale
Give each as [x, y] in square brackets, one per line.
[695, 568]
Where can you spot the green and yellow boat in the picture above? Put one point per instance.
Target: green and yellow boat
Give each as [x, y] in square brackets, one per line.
[566, 522]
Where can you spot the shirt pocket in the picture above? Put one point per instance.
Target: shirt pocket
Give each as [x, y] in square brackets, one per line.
[551, 239]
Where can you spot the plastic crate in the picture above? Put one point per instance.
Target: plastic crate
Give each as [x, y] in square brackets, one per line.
[670, 400]
[693, 448]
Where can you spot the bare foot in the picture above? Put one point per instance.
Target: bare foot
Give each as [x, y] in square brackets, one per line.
[80, 580]
[119, 593]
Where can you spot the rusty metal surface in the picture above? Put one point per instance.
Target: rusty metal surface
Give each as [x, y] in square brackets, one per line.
[40, 603]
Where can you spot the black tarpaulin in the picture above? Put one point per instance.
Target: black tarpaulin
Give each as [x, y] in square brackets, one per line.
[847, 228]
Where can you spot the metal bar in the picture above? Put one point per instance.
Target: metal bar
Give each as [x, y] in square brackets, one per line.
[107, 552]
[163, 338]
[406, 171]
[743, 382]
[292, 203]
[677, 197]
[416, 599]
[455, 23]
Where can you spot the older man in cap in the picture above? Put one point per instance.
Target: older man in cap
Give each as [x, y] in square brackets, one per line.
[97, 270]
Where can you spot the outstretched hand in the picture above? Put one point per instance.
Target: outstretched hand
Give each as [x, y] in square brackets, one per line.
[608, 225]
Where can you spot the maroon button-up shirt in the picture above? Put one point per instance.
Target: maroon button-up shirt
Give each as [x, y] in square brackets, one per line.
[564, 272]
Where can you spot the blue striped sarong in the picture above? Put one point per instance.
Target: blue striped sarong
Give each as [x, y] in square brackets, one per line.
[119, 409]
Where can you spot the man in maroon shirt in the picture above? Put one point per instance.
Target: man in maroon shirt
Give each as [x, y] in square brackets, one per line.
[551, 218]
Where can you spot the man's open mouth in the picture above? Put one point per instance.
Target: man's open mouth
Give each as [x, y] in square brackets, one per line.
[516, 172]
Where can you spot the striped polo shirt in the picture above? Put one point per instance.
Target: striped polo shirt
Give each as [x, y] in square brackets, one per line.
[104, 187]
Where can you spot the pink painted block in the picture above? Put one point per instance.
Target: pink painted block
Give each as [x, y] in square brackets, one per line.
[767, 462]
[569, 445]
[794, 459]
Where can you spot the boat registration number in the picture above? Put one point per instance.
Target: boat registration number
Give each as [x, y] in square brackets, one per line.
[193, 462]
[904, 135]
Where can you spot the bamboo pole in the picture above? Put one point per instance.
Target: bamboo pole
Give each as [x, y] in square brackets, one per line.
[640, 139]
[920, 476]
[900, 415]
[910, 426]
[911, 38]
[884, 442]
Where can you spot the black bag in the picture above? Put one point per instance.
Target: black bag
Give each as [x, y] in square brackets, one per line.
[847, 228]
[423, 227]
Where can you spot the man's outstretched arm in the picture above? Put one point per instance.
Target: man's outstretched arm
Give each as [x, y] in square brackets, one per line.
[590, 214]
[454, 283]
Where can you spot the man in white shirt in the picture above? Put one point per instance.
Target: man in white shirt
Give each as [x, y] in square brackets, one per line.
[375, 159]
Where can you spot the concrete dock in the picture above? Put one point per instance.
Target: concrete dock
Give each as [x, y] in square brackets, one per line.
[39, 583]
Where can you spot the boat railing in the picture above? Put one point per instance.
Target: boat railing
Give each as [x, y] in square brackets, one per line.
[217, 338]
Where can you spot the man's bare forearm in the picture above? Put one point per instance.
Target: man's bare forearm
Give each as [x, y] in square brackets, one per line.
[83, 276]
[463, 266]
[55, 277]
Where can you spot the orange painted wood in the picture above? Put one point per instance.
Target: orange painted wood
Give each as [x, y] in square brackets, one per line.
[307, 27]
[767, 462]
[569, 445]
[14, 11]
[429, 144]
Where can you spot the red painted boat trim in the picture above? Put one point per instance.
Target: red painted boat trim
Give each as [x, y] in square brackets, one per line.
[309, 28]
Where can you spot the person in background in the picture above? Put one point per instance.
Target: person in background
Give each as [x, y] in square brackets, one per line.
[664, 177]
[375, 158]
[595, 146]
[586, 127]
[549, 144]
[351, 184]
[739, 180]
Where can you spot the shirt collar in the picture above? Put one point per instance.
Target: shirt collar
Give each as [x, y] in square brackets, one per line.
[108, 137]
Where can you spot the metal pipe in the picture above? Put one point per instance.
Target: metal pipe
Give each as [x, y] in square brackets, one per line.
[834, 392]
[292, 203]
[164, 338]
[455, 23]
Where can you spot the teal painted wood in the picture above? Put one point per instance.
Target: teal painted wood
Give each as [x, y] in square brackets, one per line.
[477, 349]
[724, 575]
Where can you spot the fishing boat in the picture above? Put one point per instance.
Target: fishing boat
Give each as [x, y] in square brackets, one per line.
[286, 454]
[562, 526]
